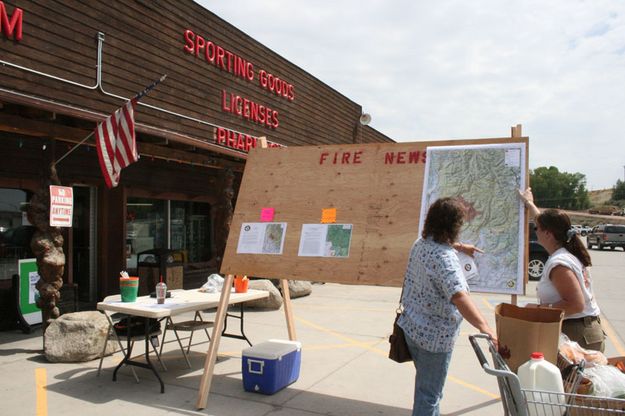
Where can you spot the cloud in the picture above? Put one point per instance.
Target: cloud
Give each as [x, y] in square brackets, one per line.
[457, 69]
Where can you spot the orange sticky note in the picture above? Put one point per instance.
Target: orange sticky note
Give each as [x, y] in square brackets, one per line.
[328, 215]
[266, 214]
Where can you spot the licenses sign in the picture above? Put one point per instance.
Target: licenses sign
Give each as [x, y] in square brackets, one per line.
[61, 206]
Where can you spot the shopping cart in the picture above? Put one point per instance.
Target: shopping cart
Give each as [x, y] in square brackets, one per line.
[524, 402]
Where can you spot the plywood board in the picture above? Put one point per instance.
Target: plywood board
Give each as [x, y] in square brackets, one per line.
[375, 187]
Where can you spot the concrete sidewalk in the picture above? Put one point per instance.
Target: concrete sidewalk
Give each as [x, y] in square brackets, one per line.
[345, 369]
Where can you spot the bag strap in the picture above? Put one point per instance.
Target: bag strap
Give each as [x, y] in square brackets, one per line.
[400, 308]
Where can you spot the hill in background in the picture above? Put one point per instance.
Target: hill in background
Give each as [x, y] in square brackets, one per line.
[600, 197]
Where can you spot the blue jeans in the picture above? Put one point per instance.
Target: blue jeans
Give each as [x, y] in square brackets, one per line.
[430, 378]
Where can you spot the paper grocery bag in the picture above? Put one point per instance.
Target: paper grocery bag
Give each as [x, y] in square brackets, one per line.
[522, 331]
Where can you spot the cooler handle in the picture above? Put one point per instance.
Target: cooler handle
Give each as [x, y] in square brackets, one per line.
[261, 365]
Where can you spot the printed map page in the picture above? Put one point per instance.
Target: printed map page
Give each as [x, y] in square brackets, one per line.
[485, 178]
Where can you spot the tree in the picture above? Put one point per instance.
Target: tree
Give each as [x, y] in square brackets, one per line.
[618, 191]
[555, 189]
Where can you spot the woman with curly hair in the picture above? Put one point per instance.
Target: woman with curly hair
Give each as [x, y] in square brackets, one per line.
[435, 300]
[566, 282]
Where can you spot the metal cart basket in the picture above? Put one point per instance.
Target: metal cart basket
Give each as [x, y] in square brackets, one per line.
[524, 402]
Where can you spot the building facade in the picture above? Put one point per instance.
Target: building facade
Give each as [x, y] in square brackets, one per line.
[66, 65]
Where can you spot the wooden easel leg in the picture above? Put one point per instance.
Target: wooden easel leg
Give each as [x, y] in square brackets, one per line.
[211, 356]
[517, 132]
[288, 309]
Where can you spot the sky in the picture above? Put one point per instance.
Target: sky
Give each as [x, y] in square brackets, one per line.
[451, 69]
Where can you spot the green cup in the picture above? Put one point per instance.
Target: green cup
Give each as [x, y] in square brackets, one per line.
[129, 288]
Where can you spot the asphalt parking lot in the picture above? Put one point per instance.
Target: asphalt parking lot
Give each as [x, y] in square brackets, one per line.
[345, 371]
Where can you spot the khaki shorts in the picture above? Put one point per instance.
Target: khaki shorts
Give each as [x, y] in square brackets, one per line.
[586, 331]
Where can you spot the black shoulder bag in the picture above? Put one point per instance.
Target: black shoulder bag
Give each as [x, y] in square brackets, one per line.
[399, 351]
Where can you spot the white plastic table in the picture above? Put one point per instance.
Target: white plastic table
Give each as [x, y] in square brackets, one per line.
[181, 301]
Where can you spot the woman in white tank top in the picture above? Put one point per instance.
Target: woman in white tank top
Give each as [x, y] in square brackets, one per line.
[566, 281]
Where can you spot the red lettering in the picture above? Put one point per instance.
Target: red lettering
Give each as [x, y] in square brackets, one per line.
[268, 116]
[221, 135]
[357, 156]
[246, 108]
[274, 119]
[322, 157]
[413, 157]
[262, 78]
[423, 159]
[345, 159]
[189, 46]
[254, 111]
[11, 27]
[232, 141]
[238, 105]
[199, 44]
[239, 66]
[220, 57]
[224, 101]
[335, 155]
[389, 157]
[240, 143]
[401, 157]
[279, 86]
[248, 142]
[291, 92]
[250, 71]
[229, 56]
[209, 52]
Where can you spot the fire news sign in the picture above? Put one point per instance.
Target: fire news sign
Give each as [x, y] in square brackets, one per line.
[61, 206]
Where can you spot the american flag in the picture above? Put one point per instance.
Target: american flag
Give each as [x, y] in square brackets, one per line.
[116, 141]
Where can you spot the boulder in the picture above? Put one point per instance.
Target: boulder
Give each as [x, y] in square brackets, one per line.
[274, 301]
[77, 337]
[299, 288]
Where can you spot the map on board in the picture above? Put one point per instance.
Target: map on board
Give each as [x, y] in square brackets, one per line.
[485, 178]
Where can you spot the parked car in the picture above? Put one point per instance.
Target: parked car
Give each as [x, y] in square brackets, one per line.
[537, 256]
[581, 229]
[607, 235]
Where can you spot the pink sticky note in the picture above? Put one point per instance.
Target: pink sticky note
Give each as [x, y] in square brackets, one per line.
[266, 214]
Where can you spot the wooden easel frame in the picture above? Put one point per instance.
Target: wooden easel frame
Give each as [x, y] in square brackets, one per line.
[211, 357]
[222, 309]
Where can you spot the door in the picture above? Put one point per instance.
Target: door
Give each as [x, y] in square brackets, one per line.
[84, 243]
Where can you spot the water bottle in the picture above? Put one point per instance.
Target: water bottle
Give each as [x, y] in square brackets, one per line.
[161, 291]
[543, 379]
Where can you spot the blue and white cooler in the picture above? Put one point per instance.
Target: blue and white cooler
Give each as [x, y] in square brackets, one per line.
[271, 366]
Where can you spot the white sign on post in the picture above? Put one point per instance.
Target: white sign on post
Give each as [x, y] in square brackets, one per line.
[61, 206]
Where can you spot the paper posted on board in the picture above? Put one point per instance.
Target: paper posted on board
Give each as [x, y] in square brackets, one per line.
[469, 268]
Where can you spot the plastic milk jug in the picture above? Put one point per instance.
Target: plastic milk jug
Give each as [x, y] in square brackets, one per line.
[540, 375]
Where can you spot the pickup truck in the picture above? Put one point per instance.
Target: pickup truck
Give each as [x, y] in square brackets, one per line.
[607, 235]
[604, 210]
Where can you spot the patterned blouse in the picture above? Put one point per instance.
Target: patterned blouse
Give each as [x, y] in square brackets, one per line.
[432, 277]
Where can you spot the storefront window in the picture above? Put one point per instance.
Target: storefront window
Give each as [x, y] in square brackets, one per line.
[145, 227]
[15, 231]
[190, 225]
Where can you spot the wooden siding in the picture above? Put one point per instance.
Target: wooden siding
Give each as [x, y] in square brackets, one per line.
[145, 39]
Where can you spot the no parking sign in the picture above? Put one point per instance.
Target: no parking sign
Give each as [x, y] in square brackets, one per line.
[61, 206]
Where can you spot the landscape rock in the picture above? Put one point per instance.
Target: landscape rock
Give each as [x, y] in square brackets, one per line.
[77, 337]
[274, 301]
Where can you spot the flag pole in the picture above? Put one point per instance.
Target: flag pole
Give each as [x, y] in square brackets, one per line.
[137, 97]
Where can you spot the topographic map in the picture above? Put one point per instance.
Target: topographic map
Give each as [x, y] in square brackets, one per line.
[485, 178]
